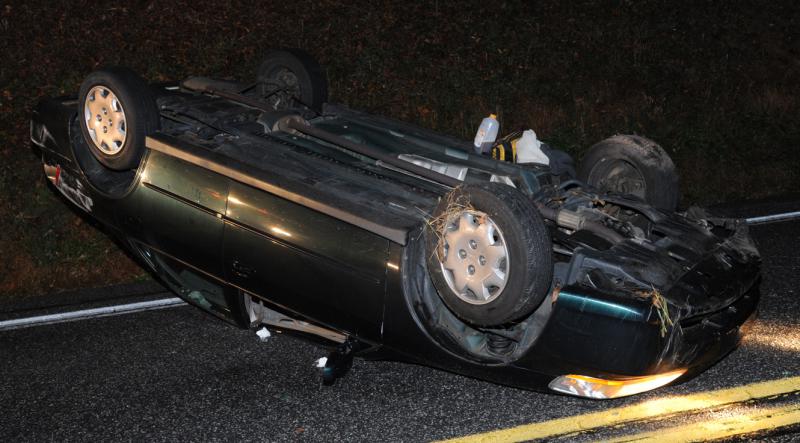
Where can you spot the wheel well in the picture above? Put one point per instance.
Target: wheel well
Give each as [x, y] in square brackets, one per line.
[484, 345]
[107, 182]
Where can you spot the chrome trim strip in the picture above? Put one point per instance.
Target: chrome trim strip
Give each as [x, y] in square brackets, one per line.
[395, 235]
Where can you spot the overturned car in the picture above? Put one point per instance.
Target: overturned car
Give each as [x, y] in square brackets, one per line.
[266, 206]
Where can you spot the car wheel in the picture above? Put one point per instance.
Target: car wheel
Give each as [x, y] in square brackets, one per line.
[290, 78]
[117, 111]
[489, 254]
[632, 165]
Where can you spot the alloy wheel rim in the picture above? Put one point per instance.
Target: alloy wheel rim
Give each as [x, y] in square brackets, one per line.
[105, 120]
[475, 258]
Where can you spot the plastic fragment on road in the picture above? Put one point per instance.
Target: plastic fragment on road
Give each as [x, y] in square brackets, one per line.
[321, 362]
[263, 334]
[529, 149]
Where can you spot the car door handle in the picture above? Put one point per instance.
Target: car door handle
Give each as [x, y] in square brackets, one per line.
[241, 270]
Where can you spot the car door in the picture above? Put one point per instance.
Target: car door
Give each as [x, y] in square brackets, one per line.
[311, 263]
[176, 221]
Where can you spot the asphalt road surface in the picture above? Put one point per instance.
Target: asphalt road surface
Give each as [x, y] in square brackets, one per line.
[178, 374]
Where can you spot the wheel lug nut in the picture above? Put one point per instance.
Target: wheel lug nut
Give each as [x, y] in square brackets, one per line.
[482, 260]
[462, 253]
[471, 269]
[473, 244]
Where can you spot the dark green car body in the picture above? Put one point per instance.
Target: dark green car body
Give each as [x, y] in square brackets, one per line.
[334, 240]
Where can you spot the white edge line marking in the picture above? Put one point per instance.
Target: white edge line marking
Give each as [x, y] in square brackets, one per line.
[105, 311]
[772, 218]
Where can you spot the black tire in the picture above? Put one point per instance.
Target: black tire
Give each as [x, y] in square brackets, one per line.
[290, 78]
[633, 165]
[140, 115]
[528, 266]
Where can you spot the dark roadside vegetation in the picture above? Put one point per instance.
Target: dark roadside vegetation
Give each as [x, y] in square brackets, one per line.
[716, 83]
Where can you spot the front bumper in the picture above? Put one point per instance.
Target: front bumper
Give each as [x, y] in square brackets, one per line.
[699, 342]
[593, 334]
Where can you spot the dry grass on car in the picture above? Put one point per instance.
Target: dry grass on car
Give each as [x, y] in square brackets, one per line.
[660, 304]
[456, 203]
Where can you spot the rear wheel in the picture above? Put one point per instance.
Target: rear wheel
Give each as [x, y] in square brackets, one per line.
[290, 78]
[117, 111]
[632, 165]
[489, 254]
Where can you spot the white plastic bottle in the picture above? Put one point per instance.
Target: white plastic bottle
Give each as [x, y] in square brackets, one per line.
[529, 149]
[487, 134]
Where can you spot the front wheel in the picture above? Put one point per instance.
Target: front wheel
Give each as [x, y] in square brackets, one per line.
[117, 111]
[489, 254]
[632, 165]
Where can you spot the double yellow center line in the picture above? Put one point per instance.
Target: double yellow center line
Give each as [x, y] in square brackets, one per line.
[748, 422]
[663, 408]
